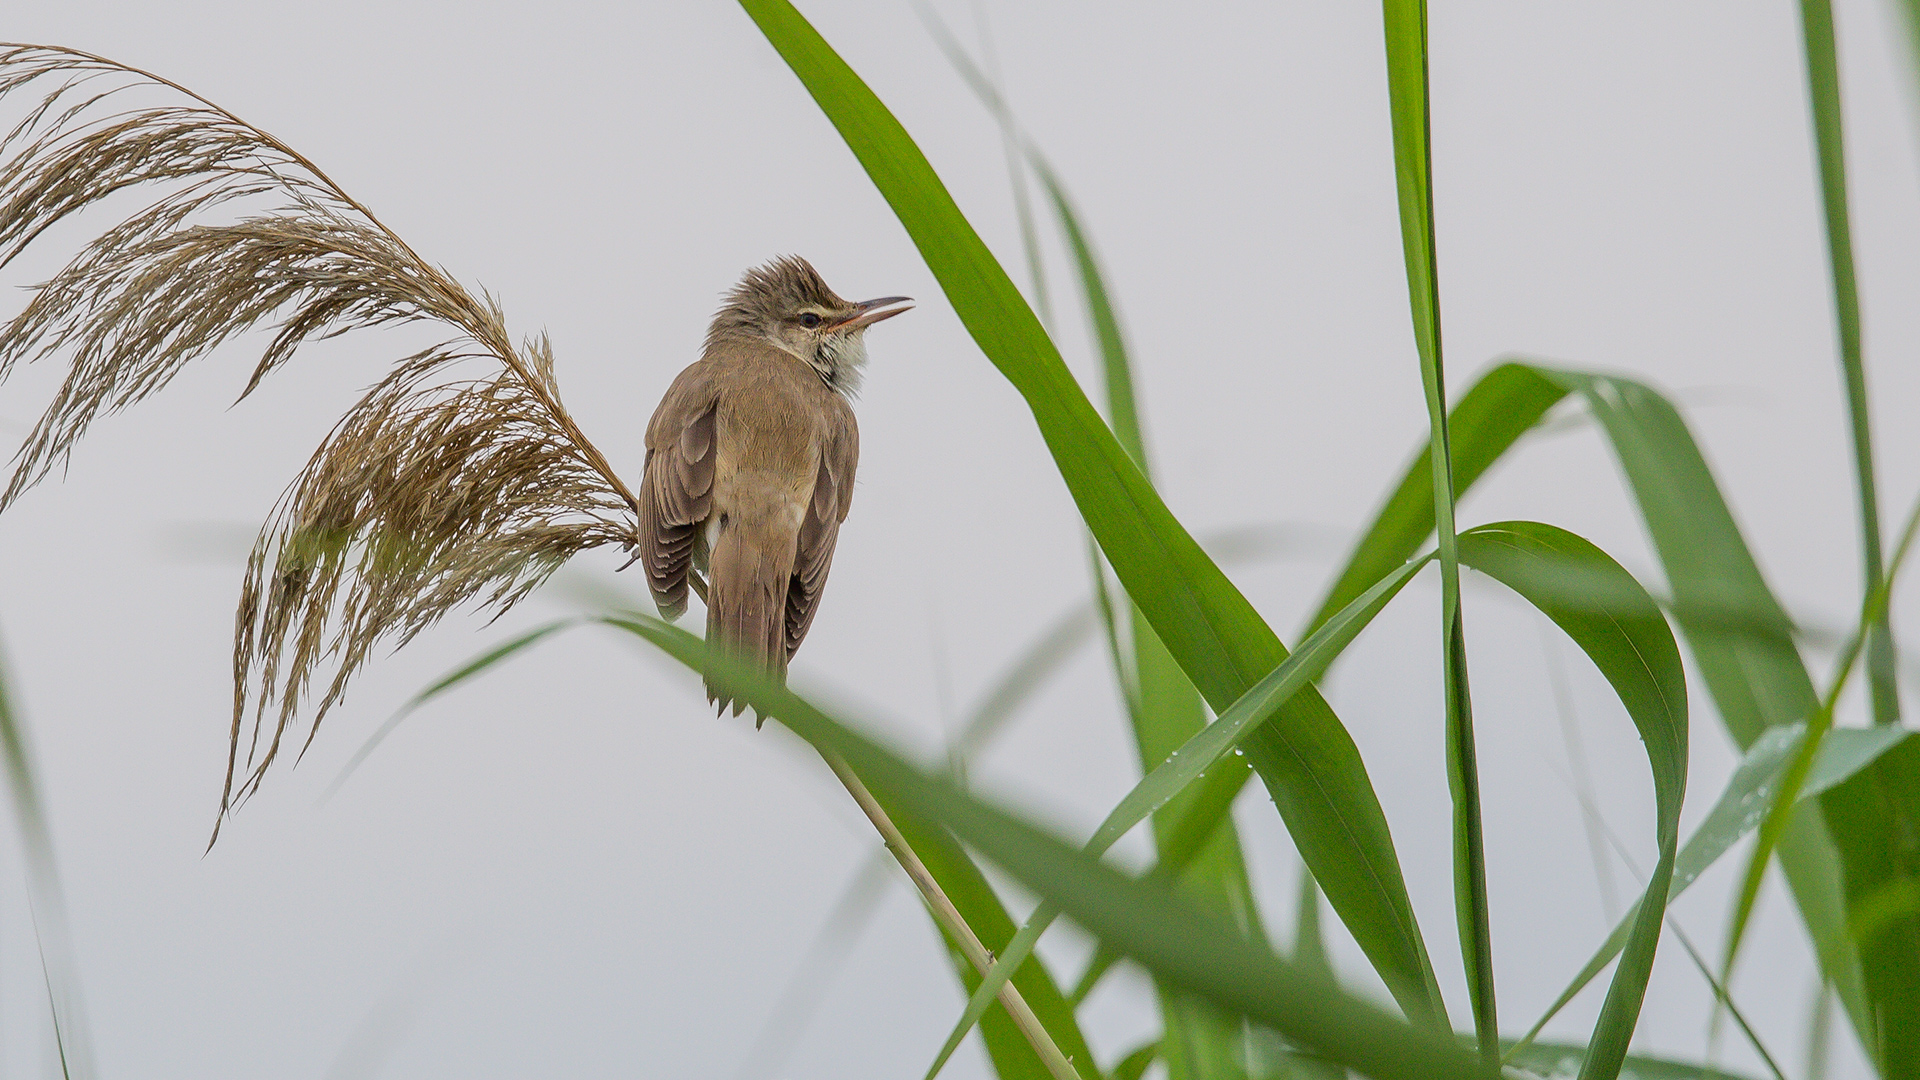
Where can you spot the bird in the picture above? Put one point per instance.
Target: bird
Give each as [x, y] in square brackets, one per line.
[750, 465]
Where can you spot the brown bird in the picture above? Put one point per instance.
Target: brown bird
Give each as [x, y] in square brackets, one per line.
[750, 463]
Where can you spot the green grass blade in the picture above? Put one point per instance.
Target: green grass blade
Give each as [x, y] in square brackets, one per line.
[471, 669]
[1737, 812]
[1726, 1000]
[1209, 749]
[1406, 33]
[1176, 943]
[1605, 611]
[46, 897]
[1218, 639]
[1823, 90]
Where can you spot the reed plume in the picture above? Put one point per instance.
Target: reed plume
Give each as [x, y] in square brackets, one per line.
[457, 479]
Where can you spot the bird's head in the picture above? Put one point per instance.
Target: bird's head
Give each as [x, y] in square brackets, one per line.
[786, 304]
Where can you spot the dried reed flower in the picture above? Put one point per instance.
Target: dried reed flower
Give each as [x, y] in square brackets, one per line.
[458, 478]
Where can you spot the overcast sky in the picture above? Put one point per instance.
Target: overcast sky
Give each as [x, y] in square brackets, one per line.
[570, 868]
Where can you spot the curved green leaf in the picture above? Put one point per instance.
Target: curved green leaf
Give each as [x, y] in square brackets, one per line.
[1206, 624]
[1613, 620]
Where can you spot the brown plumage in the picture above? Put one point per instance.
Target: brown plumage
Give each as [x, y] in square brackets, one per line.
[750, 463]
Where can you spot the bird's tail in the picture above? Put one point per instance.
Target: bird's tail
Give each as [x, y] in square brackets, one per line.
[751, 564]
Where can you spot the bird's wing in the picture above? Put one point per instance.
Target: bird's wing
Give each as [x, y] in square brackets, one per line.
[676, 493]
[832, 498]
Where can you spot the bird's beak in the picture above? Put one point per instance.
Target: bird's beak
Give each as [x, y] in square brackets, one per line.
[868, 312]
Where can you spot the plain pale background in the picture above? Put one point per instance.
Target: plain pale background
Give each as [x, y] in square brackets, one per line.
[570, 868]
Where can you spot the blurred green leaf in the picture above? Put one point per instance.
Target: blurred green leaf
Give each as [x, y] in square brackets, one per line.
[45, 895]
[1148, 923]
[1742, 803]
[471, 669]
[1882, 883]
[1134, 1064]
[1208, 626]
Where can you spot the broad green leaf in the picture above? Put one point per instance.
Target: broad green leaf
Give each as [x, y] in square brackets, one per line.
[1742, 803]
[1208, 626]
[1207, 750]
[1622, 631]
[1823, 90]
[1405, 23]
[1172, 940]
[1741, 641]
[1883, 895]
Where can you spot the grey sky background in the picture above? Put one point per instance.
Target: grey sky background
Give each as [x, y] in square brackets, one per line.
[570, 868]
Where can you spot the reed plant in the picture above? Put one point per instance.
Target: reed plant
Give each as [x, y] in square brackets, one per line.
[460, 480]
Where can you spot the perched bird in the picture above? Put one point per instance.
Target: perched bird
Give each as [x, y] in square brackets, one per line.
[750, 463]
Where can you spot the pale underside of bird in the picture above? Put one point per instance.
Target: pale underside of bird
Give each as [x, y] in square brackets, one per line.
[750, 464]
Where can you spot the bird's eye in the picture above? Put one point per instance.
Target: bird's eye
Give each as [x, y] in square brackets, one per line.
[809, 320]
